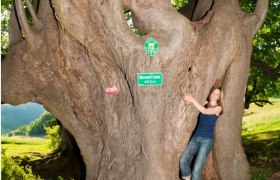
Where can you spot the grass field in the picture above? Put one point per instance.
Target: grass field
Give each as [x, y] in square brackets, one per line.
[28, 147]
[261, 139]
[258, 119]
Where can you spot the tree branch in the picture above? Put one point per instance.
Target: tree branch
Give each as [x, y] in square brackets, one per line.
[23, 19]
[196, 10]
[267, 70]
[15, 34]
[28, 34]
[188, 9]
[254, 21]
[261, 101]
[37, 23]
[235, 2]
[35, 4]
[201, 9]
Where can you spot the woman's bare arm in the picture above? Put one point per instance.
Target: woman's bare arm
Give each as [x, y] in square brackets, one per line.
[215, 110]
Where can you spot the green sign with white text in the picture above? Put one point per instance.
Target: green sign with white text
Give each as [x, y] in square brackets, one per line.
[151, 47]
[149, 79]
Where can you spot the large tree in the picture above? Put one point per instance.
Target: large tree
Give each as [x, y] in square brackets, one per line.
[71, 50]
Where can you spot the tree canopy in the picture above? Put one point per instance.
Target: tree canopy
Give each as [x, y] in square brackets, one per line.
[264, 76]
[5, 16]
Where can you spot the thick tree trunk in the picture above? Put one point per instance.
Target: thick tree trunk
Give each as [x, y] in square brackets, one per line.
[77, 48]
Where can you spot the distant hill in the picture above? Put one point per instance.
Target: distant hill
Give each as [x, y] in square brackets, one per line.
[13, 117]
[36, 127]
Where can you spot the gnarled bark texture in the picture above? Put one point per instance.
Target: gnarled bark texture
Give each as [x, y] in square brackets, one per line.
[74, 49]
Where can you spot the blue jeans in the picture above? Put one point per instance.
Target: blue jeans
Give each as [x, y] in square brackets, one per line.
[201, 147]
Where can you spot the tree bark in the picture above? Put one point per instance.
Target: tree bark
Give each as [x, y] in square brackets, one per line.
[139, 133]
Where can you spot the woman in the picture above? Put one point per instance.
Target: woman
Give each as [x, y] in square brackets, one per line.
[202, 139]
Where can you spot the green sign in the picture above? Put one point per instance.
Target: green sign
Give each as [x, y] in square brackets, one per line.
[149, 79]
[151, 46]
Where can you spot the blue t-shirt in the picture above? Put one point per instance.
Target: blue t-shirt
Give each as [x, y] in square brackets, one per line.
[206, 125]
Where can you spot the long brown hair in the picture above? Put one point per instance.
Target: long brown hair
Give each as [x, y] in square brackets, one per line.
[220, 101]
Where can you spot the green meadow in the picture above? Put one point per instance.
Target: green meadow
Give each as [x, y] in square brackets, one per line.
[27, 147]
[260, 119]
[261, 139]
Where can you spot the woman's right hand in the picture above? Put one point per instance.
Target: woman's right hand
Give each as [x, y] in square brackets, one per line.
[188, 97]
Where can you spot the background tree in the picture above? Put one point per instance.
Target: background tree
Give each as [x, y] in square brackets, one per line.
[264, 76]
[72, 50]
[5, 13]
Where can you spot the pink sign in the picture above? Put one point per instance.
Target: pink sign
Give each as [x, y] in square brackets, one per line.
[112, 89]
